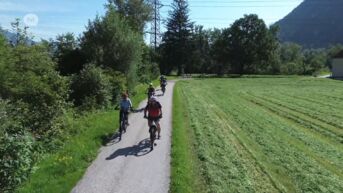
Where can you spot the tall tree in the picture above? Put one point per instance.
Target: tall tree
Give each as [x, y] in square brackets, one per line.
[200, 53]
[21, 33]
[136, 12]
[110, 43]
[251, 44]
[177, 38]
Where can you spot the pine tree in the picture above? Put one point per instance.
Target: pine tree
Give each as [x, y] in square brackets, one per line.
[176, 40]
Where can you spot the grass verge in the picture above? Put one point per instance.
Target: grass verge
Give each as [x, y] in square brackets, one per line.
[59, 171]
[184, 174]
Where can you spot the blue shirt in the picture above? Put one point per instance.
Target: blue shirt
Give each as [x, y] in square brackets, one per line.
[125, 104]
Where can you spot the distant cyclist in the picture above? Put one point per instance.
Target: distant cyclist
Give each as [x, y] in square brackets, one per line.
[163, 80]
[151, 91]
[163, 83]
[154, 110]
[125, 106]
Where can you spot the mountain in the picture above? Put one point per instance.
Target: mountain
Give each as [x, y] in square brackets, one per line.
[9, 35]
[314, 24]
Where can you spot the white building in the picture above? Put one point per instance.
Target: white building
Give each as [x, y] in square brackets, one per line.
[337, 66]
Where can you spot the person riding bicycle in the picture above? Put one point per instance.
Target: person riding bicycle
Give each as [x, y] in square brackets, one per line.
[154, 110]
[125, 106]
[163, 80]
[151, 91]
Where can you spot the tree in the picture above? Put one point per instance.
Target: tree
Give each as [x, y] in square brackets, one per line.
[4, 53]
[22, 36]
[30, 78]
[136, 12]
[69, 57]
[291, 58]
[110, 43]
[177, 38]
[314, 61]
[148, 69]
[200, 50]
[219, 52]
[250, 44]
[332, 51]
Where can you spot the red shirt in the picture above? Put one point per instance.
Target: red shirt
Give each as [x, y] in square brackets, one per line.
[153, 109]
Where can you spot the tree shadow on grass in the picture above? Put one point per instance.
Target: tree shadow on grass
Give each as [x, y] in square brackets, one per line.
[141, 149]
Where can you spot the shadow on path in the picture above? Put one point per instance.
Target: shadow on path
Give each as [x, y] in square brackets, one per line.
[110, 139]
[141, 149]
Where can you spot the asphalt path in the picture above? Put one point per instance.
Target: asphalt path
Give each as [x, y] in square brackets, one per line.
[128, 165]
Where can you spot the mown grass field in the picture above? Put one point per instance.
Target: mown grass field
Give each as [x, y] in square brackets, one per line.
[265, 134]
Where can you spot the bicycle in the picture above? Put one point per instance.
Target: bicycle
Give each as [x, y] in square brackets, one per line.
[123, 124]
[163, 87]
[152, 133]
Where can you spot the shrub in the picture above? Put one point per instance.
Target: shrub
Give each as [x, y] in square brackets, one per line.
[91, 88]
[16, 149]
[32, 82]
[118, 85]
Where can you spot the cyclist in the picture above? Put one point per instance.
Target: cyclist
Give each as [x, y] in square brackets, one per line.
[154, 110]
[163, 80]
[151, 91]
[163, 83]
[125, 106]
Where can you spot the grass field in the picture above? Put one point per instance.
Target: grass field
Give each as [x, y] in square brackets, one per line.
[266, 134]
[185, 176]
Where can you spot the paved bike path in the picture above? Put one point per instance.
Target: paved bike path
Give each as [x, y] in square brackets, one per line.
[128, 166]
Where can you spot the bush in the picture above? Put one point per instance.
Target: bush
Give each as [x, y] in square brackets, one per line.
[118, 85]
[91, 89]
[30, 80]
[16, 149]
[148, 69]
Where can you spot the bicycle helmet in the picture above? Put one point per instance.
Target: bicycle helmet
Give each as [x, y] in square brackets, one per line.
[153, 99]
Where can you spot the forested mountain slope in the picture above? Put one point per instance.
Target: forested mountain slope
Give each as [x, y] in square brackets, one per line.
[314, 23]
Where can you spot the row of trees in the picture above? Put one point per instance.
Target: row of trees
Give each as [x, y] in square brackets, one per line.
[248, 46]
[42, 85]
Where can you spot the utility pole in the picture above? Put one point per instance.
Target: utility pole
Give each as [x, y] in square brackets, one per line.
[155, 34]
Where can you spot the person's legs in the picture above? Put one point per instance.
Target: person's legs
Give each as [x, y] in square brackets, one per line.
[120, 116]
[149, 122]
[157, 122]
[127, 117]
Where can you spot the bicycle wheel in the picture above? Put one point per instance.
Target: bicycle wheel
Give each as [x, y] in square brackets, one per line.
[152, 131]
[121, 129]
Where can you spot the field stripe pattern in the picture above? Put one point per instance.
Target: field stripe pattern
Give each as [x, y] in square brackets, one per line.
[262, 135]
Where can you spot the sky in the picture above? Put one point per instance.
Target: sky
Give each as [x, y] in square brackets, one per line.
[48, 18]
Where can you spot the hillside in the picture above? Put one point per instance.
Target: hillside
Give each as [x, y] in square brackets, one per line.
[314, 23]
[9, 35]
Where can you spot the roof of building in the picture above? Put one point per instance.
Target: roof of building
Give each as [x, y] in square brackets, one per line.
[339, 55]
